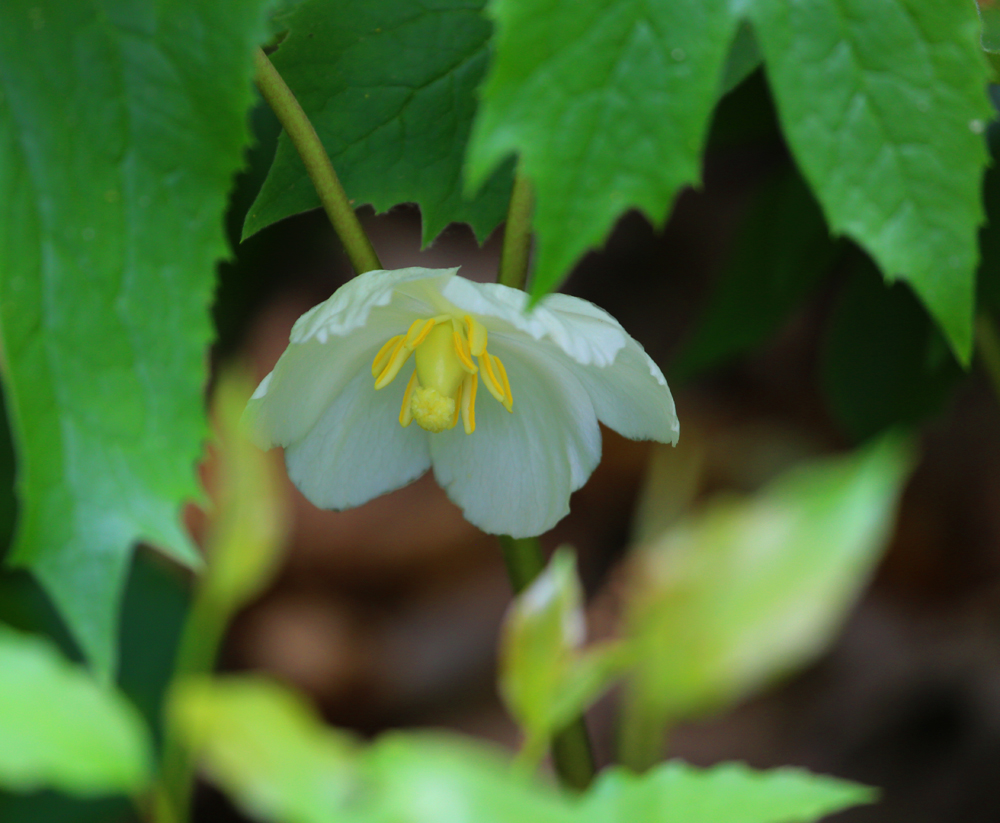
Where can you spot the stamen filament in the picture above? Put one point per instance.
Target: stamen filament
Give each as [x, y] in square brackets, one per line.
[508, 400]
[493, 384]
[477, 336]
[399, 355]
[384, 355]
[462, 349]
[469, 402]
[406, 412]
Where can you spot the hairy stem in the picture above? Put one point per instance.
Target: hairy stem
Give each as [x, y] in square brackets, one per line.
[303, 136]
[517, 235]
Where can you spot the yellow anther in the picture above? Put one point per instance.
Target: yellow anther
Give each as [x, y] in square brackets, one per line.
[462, 350]
[419, 329]
[494, 383]
[399, 355]
[469, 402]
[477, 336]
[384, 355]
[405, 412]
[498, 368]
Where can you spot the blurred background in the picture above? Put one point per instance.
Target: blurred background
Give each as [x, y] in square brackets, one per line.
[775, 341]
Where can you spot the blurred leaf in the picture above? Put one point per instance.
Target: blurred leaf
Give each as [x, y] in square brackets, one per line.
[989, 15]
[884, 107]
[752, 588]
[884, 362]
[266, 747]
[743, 59]
[730, 793]
[279, 762]
[780, 253]
[607, 102]
[390, 86]
[60, 729]
[546, 679]
[250, 518]
[120, 128]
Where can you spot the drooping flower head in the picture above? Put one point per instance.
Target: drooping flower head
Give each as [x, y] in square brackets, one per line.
[413, 346]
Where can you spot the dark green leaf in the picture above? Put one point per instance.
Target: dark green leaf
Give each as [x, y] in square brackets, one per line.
[731, 793]
[390, 88]
[780, 253]
[884, 106]
[884, 361]
[607, 102]
[743, 59]
[121, 125]
[60, 729]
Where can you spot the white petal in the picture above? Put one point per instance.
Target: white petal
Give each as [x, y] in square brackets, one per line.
[631, 396]
[628, 390]
[357, 450]
[585, 332]
[332, 342]
[515, 473]
[349, 307]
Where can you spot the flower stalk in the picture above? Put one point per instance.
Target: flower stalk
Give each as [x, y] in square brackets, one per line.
[331, 193]
[572, 752]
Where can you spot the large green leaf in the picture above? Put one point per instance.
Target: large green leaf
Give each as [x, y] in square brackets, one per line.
[60, 729]
[751, 588]
[730, 793]
[390, 87]
[607, 102]
[884, 106]
[121, 124]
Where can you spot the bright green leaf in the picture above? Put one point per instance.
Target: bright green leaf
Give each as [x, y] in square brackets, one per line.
[782, 249]
[752, 588]
[279, 762]
[730, 793]
[266, 747]
[884, 362]
[390, 88]
[884, 106]
[59, 729]
[546, 678]
[121, 125]
[607, 102]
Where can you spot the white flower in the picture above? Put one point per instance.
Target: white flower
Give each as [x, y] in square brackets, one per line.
[336, 404]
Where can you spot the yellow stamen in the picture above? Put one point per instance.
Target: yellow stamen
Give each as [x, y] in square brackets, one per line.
[462, 350]
[405, 412]
[419, 329]
[508, 400]
[477, 336]
[469, 402]
[493, 383]
[445, 379]
[399, 356]
[384, 355]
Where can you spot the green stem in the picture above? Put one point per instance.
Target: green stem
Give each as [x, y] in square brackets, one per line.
[517, 235]
[571, 750]
[642, 734]
[303, 136]
[199, 646]
[988, 350]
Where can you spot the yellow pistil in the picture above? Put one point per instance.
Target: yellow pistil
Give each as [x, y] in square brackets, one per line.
[443, 385]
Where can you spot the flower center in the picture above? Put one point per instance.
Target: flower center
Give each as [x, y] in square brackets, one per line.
[444, 382]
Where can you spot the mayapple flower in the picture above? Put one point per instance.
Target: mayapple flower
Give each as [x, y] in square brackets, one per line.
[391, 349]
